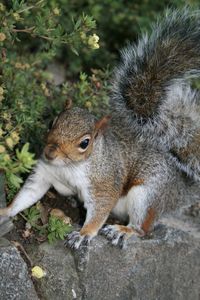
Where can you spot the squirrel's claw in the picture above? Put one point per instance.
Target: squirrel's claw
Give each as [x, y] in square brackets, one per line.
[116, 237]
[118, 234]
[75, 241]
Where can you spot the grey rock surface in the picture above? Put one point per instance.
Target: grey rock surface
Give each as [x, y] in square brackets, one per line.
[15, 282]
[166, 266]
[61, 280]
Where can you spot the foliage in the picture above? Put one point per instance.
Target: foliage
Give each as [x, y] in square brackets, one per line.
[92, 91]
[19, 163]
[28, 97]
[54, 229]
[118, 23]
[32, 216]
[57, 229]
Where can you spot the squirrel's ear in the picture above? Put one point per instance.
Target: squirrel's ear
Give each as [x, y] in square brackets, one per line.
[68, 104]
[102, 124]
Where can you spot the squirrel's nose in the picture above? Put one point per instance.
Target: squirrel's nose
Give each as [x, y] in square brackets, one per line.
[49, 152]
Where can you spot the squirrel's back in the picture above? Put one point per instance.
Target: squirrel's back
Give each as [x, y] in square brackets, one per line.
[151, 91]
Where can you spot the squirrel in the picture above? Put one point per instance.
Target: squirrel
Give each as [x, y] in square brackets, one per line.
[132, 162]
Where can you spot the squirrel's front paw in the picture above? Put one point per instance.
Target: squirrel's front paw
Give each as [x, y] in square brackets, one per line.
[75, 240]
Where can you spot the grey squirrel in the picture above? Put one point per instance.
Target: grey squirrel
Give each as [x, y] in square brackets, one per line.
[130, 162]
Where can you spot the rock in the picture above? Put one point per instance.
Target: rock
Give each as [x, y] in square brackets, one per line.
[159, 268]
[166, 266]
[15, 282]
[6, 224]
[58, 72]
[61, 280]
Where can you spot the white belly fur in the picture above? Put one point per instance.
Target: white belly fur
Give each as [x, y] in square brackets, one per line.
[121, 208]
[63, 189]
[133, 205]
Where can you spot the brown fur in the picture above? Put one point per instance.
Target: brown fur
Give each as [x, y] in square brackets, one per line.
[192, 148]
[148, 223]
[102, 124]
[126, 230]
[131, 183]
[56, 147]
[91, 228]
[104, 198]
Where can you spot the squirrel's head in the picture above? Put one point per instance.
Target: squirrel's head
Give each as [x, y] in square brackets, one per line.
[72, 136]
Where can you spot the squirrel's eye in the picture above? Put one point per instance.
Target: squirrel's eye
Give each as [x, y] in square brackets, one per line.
[84, 144]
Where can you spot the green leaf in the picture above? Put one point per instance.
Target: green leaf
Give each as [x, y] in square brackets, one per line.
[57, 229]
[26, 158]
[14, 180]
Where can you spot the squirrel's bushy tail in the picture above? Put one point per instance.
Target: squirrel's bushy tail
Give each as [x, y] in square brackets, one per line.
[151, 93]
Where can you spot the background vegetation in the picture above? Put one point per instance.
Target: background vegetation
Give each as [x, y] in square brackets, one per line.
[81, 37]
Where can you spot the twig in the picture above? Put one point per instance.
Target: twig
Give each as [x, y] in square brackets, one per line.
[30, 7]
[29, 30]
[21, 249]
[38, 227]
[26, 30]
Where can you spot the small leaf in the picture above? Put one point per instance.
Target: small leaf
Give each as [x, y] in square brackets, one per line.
[15, 180]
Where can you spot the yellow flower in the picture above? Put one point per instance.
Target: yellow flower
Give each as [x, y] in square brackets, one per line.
[1, 93]
[18, 65]
[46, 92]
[10, 142]
[38, 272]
[45, 89]
[83, 36]
[96, 38]
[26, 66]
[1, 132]
[88, 104]
[95, 46]
[15, 136]
[2, 7]
[93, 41]
[6, 157]
[6, 116]
[2, 149]
[56, 11]
[2, 36]
[43, 86]
[1, 90]
[8, 126]
[16, 16]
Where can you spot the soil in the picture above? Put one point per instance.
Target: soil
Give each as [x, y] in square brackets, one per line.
[71, 207]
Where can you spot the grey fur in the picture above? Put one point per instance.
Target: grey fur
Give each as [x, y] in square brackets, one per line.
[151, 94]
[130, 167]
